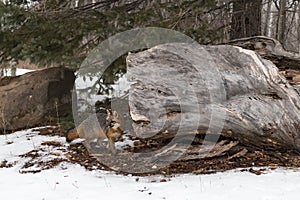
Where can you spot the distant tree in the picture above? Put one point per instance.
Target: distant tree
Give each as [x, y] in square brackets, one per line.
[246, 18]
[281, 22]
[298, 27]
[267, 22]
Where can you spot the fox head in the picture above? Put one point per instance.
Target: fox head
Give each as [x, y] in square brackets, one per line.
[114, 125]
[115, 131]
[113, 119]
[71, 134]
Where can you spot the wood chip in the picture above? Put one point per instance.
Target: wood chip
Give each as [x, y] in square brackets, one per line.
[241, 153]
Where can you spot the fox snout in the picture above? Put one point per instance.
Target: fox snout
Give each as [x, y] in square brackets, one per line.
[71, 135]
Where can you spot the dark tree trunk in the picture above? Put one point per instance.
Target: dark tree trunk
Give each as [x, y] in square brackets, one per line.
[246, 19]
[281, 23]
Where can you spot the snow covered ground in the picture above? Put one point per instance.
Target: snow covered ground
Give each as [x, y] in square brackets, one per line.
[70, 181]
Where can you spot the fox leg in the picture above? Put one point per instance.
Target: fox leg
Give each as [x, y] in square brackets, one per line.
[112, 147]
[99, 142]
[87, 144]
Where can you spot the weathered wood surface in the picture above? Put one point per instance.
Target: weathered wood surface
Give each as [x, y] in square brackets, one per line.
[33, 98]
[185, 89]
[270, 49]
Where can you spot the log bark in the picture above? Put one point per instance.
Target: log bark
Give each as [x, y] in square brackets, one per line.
[33, 98]
[178, 90]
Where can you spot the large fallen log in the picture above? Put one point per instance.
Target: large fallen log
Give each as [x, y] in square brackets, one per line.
[186, 89]
[33, 98]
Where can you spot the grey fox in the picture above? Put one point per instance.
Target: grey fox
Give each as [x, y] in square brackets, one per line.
[98, 126]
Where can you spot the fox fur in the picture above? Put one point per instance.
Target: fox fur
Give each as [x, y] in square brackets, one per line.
[98, 126]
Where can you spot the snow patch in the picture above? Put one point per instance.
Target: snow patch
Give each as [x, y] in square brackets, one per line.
[72, 181]
[8, 72]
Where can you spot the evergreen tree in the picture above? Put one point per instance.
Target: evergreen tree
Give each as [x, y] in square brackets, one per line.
[57, 32]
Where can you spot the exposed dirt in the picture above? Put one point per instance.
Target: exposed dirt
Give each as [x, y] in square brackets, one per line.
[231, 160]
[46, 156]
[5, 164]
[238, 157]
[36, 163]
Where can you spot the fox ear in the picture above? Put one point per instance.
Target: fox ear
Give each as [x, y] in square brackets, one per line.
[109, 115]
[115, 114]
